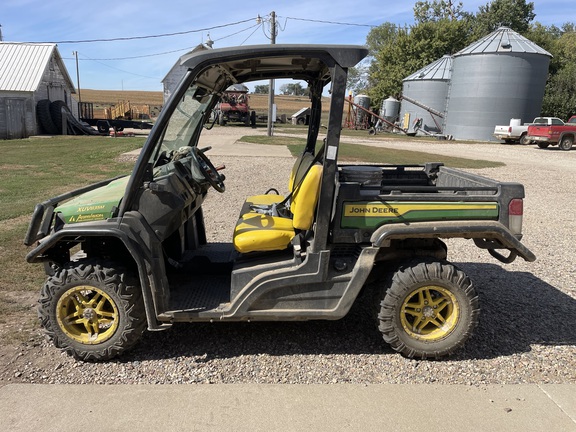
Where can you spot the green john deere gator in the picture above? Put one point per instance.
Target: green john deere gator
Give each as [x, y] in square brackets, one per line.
[111, 249]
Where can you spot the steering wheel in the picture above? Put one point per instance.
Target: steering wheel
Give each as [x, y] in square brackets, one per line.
[208, 170]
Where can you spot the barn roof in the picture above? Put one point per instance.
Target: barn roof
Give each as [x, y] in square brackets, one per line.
[22, 65]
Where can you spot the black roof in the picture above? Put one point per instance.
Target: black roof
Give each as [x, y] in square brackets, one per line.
[257, 62]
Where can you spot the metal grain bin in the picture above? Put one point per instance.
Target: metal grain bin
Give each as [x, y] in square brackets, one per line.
[362, 116]
[499, 77]
[390, 109]
[424, 95]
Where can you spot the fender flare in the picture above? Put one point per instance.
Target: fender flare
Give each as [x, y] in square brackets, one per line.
[140, 256]
[489, 235]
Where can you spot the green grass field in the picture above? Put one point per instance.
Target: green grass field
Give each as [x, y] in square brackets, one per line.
[363, 153]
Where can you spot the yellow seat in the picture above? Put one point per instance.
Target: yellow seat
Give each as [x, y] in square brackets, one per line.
[258, 232]
[298, 171]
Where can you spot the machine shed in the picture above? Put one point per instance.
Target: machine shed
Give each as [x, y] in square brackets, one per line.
[29, 73]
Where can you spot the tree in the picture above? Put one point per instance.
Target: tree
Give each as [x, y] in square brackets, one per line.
[560, 94]
[438, 10]
[358, 78]
[294, 89]
[261, 89]
[381, 36]
[412, 50]
[516, 14]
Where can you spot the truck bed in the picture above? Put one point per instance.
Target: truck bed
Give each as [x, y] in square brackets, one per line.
[407, 194]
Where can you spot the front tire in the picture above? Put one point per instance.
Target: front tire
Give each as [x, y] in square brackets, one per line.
[429, 310]
[93, 311]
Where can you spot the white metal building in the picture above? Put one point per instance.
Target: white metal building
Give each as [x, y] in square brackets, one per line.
[29, 73]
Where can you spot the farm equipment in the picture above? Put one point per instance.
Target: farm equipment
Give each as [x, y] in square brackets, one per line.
[117, 118]
[234, 106]
[353, 112]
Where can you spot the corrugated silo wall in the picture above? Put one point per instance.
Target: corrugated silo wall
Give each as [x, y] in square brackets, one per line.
[432, 93]
[490, 89]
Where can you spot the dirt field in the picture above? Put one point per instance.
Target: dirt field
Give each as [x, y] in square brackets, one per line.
[101, 99]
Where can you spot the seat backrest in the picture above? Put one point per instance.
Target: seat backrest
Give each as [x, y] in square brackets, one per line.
[305, 198]
[300, 167]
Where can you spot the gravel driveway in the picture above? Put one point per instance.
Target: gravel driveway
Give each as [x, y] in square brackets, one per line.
[527, 330]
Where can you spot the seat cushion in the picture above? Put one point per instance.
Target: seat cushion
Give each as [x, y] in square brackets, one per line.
[258, 232]
[265, 200]
[305, 198]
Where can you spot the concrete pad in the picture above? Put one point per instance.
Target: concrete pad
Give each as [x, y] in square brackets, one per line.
[282, 408]
[564, 396]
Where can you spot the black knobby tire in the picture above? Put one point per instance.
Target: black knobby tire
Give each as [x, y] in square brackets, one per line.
[86, 295]
[543, 145]
[429, 310]
[56, 113]
[566, 143]
[44, 118]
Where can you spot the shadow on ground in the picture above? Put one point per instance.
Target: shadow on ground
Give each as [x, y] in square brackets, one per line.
[518, 310]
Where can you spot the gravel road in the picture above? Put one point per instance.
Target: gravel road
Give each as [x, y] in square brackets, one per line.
[527, 330]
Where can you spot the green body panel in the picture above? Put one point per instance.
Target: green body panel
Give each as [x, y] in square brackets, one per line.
[98, 204]
[371, 214]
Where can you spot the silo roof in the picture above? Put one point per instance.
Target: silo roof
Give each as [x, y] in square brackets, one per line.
[503, 40]
[441, 69]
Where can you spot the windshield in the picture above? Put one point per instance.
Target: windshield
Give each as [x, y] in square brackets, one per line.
[185, 123]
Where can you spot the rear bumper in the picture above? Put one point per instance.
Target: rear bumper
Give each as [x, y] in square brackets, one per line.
[538, 138]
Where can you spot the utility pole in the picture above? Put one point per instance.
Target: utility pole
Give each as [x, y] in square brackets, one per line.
[271, 86]
[77, 77]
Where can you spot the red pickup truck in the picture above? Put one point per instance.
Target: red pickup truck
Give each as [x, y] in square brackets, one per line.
[557, 133]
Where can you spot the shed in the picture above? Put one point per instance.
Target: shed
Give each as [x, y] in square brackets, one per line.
[29, 73]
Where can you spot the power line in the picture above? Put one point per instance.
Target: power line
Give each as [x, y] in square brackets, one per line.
[121, 70]
[172, 51]
[330, 22]
[152, 36]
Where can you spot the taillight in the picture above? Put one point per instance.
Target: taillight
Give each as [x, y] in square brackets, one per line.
[515, 214]
[509, 129]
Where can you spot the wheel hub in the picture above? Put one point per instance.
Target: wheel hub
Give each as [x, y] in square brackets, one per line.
[87, 314]
[429, 313]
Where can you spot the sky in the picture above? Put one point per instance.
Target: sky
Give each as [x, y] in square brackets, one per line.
[141, 62]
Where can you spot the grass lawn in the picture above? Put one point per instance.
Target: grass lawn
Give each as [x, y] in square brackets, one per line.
[33, 170]
[363, 153]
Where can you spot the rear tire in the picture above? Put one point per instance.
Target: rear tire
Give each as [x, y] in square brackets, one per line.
[523, 139]
[543, 145]
[566, 143]
[93, 311]
[429, 310]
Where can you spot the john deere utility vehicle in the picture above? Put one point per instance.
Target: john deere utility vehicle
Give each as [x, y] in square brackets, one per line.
[130, 253]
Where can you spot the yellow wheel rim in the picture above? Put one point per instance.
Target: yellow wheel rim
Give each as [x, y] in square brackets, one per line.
[87, 315]
[429, 313]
